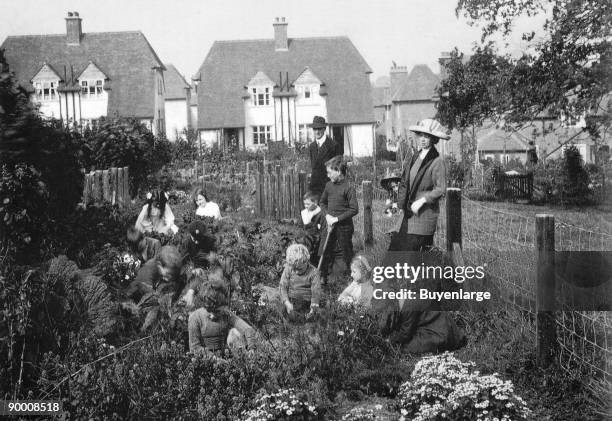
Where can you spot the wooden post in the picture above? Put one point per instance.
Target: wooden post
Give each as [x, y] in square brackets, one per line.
[86, 189]
[113, 185]
[453, 218]
[368, 228]
[126, 186]
[260, 189]
[545, 298]
[106, 193]
[98, 192]
[279, 193]
[302, 185]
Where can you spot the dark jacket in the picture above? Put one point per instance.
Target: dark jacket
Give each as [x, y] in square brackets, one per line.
[429, 183]
[318, 157]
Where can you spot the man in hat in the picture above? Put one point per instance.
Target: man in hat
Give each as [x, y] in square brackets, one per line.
[423, 185]
[321, 150]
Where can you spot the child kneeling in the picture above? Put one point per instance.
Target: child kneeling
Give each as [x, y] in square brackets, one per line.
[300, 284]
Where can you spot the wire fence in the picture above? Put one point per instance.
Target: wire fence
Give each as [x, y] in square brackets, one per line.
[505, 243]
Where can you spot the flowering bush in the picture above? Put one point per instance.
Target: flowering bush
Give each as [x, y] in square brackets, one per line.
[368, 413]
[286, 404]
[125, 268]
[442, 387]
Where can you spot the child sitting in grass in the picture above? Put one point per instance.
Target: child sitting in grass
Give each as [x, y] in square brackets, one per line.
[214, 327]
[300, 284]
[144, 248]
[359, 291]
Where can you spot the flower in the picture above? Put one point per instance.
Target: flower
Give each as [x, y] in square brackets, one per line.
[340, 333]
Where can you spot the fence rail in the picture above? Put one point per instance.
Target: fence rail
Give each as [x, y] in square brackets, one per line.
[106, 186]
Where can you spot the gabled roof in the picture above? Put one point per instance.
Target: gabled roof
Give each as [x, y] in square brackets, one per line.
[335, 61]
[500, 140]
[307, 77]
[126, 58]
[91, 71]
[420, 85]
[45, 72]
[260, 79]
[175, 83]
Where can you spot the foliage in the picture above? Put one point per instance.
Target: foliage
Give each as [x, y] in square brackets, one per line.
[565, 181]
[567, 73]
[27, 139]
[23, 211]
[150, 379]
[85, 232]
[382, 154]
[121, 143]
[286, 404]
[443, 387]
[124, 269]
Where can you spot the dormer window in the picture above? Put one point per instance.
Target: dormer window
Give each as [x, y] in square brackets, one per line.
[46, 90]
[261, 96]
[92, 88]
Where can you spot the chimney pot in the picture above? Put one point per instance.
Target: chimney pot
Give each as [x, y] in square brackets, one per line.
[74, 30]
[281, 42]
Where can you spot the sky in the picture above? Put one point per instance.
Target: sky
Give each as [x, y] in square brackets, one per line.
[408, 32]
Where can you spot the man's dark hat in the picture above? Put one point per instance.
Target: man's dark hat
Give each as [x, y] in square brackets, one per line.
[391, 177]
[318, 122]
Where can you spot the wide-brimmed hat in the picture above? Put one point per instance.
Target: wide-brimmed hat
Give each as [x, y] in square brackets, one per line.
[390, 177]
[430, 126]
[318, 122]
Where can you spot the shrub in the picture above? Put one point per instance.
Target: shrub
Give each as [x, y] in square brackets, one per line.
[286, 404]
[442, 387]
[24, 202]
[120, 143]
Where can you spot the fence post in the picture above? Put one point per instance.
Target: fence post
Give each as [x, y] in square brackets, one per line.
[261, 198]
[302, 179]
[113, 185]
[126, 185]
[98, 193]
[453, 218]
[545, 296]
[368, 228]
[106, 193]
[86, 187]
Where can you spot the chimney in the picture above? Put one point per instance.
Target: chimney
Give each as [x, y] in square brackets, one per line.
[73, 28]
[281, 43]
[444, 59]
[397, 76]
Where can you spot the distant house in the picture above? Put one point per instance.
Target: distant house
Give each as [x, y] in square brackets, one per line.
[501, 146]
[79, 77]
[178, 103]
[409, 98]
[257, 91]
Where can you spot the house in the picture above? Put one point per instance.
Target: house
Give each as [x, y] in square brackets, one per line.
[255, 91]
[501, 146]
[409, 98]
[178, 103]
[79, 77]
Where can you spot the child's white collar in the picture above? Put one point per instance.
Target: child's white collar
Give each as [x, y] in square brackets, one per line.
[308, 215]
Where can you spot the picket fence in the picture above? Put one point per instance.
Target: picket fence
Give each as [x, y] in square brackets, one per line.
[106, 186]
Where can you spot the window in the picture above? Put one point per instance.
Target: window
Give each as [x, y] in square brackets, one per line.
[261, 96]
[305, 133]
[261, 135]
[45, 91]
[307, 92]
[92, 88]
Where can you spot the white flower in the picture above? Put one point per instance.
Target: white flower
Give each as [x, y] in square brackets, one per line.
[149, 196]
[340, 333]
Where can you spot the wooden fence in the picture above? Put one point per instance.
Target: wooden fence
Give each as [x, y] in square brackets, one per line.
[107, 186]
[517, 186]
[279, 191]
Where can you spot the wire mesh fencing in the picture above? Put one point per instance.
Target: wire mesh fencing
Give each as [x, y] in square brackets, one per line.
[505, 243]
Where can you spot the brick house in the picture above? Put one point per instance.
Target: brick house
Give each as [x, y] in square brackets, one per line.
[252, 92]
[79, 77]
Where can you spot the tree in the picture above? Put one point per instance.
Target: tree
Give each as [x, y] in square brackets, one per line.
[568, 73]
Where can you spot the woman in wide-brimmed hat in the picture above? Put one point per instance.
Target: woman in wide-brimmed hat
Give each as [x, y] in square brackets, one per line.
[423, 185]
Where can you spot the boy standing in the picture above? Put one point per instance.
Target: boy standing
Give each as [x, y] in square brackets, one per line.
[314, 222]
[339, 202]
